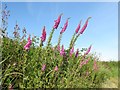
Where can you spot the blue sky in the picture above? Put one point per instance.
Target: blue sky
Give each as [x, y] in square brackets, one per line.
[102, 30]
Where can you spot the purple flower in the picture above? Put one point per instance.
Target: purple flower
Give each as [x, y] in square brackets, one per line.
[77, 52]
[57, 22]
[43, 67]
[85, 25]
[43, 37]
[86, 61]
[27, 46]
[82, 63]
[58, 47]
[71, 51]
[62, 51]
[95, 65]
[78, 27]
[56, 68]
[88, 50]
[65, 26]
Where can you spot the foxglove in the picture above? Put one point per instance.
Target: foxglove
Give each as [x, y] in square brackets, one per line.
[57, 22]
[43, 37]
[78, 28]
[27, 46]
[62, 52]
[88, 50]
[65, 26]
[58, 47]
[77, 52]
[95, 65]
[71, 51]
[84, 27]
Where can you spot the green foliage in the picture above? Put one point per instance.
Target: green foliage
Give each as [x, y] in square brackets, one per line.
[22, 68]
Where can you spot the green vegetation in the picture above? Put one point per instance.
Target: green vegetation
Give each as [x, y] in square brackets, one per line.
[32, 64]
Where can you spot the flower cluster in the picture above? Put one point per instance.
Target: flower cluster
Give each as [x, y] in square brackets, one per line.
[27, 46]
[43, 37]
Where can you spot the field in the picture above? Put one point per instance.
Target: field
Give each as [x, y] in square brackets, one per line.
[112, 82]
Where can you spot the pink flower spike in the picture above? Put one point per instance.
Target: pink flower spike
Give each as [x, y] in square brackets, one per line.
[82, 63]
[95, 65]
[27, 46]
[58, 47]
[65, 26]
[78, 28]
[43, 67]
[56, 68]
[88, 50]
[43, 37]
[71, 51]
[84, 27]
[86, 61]
[57, 22]
[77, 52]
[62, 52]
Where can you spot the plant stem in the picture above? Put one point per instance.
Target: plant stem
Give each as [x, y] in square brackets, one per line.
[59, 39]
[50, 37]
[72, 41]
